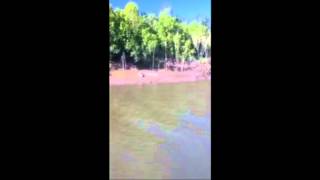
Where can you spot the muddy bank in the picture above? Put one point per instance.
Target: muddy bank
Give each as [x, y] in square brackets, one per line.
[140, 77]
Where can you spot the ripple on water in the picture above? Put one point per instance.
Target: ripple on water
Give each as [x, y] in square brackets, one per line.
[188, 151]
[153, 135]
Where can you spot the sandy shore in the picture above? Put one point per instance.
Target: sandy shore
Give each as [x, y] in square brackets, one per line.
[139, 77]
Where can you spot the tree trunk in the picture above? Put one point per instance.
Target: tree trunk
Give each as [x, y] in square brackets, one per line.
[206, 53]
[183, 66]
[153, 61]
[165, 56]
[122, 61]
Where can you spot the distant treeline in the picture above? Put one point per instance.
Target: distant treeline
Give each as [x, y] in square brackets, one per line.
[147, 39]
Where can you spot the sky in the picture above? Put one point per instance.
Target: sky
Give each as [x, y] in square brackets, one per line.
[187, 10]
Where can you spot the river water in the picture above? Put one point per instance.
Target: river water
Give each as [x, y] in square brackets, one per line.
[160, 131]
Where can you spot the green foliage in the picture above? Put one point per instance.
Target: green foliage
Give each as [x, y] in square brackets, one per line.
[199, 33]
[149, 36]
[143, 37]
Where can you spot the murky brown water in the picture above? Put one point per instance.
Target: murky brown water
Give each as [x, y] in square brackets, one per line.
[160, 131]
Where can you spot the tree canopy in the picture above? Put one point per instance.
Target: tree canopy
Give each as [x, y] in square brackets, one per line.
[146, 38]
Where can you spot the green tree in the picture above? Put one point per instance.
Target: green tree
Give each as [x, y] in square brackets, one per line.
[149, 37]
[145, 37]
[112, 32]
[177, 44]
[165, 28]
[131, 30]
[116, 31]
[199, 33]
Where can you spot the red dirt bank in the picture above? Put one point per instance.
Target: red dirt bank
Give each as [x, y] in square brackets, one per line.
[139, 77]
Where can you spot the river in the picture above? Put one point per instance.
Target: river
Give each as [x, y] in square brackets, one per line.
[160, 131]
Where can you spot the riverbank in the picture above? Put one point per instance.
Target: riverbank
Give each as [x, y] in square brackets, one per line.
[141, 77]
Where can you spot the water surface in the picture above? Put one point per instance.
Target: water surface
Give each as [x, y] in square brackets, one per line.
[160, 131]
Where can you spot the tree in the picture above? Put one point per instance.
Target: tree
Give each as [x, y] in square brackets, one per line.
[116, 31]
[141, 37]
[208, 44]
[131, 28]
[112, 32]
[165, 29]
[149, 37]
[199, 33]
[177, 44]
